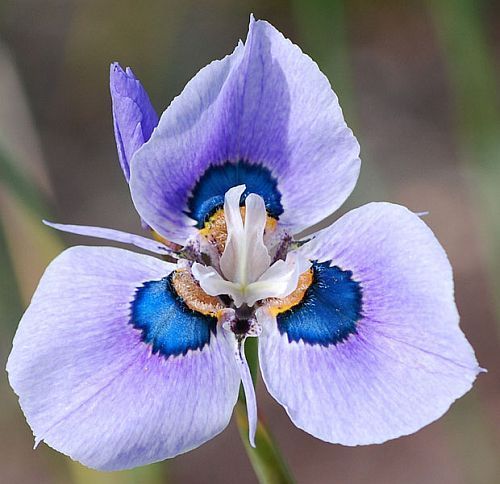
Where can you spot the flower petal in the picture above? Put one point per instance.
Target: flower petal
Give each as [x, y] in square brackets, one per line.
[406, 360]
[257, 117]
[115, 235]
[134, 117]
[91, 387]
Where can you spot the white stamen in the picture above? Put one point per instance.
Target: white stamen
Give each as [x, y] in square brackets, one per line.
[247, 273]
[245, 256]
[279, 280]
[249, 389]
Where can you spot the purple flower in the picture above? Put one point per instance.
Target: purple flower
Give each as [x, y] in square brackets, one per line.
[124, 359]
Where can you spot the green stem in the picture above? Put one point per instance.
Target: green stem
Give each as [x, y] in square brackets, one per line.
[266, 459]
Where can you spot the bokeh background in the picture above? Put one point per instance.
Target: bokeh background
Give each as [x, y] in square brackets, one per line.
[419, 84]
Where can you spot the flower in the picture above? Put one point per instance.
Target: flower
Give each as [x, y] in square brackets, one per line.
[124, 359]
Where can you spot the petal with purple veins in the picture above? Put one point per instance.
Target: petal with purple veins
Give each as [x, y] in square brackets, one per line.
[90, 383]
[405, 359]
[257, 117]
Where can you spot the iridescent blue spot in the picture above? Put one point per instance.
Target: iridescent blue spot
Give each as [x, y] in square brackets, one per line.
[208, 194]
[329, 310]
[166, 322]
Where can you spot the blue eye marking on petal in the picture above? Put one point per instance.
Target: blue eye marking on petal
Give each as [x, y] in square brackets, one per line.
[329, 310]
[208, 194]
[166, 322]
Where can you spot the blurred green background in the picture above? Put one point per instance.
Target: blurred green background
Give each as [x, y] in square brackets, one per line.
[419, 84]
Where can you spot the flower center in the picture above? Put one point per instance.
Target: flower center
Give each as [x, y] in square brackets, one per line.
[215, 229]
[246, 272]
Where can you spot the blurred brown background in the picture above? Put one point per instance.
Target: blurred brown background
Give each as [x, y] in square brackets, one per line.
[419, 84]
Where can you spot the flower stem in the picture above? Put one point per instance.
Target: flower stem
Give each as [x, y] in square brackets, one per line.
[265, 458]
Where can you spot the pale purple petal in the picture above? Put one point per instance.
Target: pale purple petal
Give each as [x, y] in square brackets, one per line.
[114, 235]
[267, 103]
[134, 117]
[91, 388]
[408, 361]
[170, 164]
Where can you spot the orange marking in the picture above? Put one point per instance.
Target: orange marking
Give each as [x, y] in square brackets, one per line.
[193, 295]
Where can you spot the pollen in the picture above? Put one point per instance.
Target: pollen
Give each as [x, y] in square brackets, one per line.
[215, 230]
[281, 305]
[193, 295]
